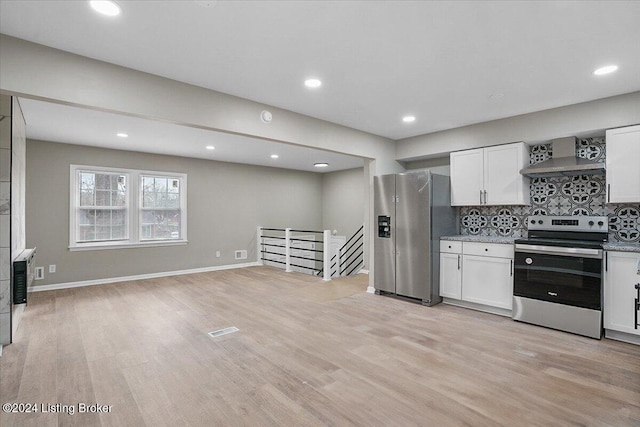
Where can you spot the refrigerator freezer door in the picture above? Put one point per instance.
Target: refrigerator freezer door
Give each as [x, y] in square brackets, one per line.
[413, 235]
[384, 188]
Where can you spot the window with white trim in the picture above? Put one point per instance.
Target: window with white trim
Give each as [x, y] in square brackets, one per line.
[160, 208]
[102, 212]
[113, 208]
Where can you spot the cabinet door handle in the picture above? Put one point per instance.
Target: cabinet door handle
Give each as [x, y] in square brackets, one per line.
[485, 197]
[608, 193]
[459, 264]
[480, 196]
[637, 307]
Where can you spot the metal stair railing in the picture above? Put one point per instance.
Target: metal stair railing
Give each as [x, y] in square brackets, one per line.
[266, 247]
[351, 259]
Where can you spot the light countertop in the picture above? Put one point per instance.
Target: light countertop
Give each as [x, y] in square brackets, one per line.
[480, 239]
[621, 247]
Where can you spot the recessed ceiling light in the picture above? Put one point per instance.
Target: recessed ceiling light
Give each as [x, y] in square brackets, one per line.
[122, 135]
[605, 70]
[321, 165]
[409, 119]
[312, 83]
[274, 156]
[210, 147]
[105, 7]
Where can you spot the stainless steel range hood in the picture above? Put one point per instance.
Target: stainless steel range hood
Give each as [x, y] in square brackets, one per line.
[564, 162]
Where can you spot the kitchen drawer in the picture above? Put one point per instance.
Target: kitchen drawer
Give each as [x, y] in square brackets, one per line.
[450, 246]
[497, 250]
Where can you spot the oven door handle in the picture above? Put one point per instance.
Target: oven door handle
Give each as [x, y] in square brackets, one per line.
[558, 250]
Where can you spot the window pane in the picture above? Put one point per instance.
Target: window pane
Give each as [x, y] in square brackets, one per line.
[148, 195]
[87, 197]
[118, 232]
[118, 198]
[174, 186]
[160, 224]
[161, 185]
[173, 201]
[86, 217]
[103, 198]
[87, 181]
[103, 181]
[86, 234]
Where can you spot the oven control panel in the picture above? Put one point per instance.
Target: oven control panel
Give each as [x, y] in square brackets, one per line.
[598, 224]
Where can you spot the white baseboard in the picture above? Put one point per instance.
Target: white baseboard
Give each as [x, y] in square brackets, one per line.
[371, 290]
[622, 336]
[137, 277]
[363, 271]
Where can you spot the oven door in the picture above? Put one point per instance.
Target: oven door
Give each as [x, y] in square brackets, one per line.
[571, 276]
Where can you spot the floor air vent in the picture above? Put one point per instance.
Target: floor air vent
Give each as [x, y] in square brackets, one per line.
[225, 331]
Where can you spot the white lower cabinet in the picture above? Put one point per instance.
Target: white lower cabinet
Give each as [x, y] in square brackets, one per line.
[487, 280]
[480, 273]
[620, 293]
[450, 275]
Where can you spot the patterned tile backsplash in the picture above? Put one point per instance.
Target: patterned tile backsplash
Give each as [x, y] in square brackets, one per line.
[578, 195]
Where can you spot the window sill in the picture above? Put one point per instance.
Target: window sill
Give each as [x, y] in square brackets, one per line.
[119, 245]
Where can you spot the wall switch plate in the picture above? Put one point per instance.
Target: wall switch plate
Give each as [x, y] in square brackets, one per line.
[241, 254]
[39, 273]
[52, 268]
[217, 254]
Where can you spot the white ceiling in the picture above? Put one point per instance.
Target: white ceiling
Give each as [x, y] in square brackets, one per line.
[72, 125]
[448, 63]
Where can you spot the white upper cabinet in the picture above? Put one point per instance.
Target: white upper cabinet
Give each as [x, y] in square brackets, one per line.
[503, 182]
[467, 177]
[623, 165]
[490, 176]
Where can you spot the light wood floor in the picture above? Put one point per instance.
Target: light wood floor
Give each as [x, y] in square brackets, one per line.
[307, 353]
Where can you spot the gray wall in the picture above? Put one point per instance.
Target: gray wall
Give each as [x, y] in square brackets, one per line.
[585, 119]
[439, 165]
[226, 202]
[343, 201]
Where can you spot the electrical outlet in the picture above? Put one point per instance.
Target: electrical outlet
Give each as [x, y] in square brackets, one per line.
[217, 254]
[52, 268]
[39, 273]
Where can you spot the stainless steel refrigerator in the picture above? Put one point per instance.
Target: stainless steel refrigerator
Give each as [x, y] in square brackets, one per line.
[412, 211]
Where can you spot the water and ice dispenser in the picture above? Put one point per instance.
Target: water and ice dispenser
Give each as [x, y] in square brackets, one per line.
[384, 226]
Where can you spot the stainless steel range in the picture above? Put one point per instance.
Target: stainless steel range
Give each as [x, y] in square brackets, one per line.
[558, 273]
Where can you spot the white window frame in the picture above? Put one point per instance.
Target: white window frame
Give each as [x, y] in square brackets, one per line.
[133, 206]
